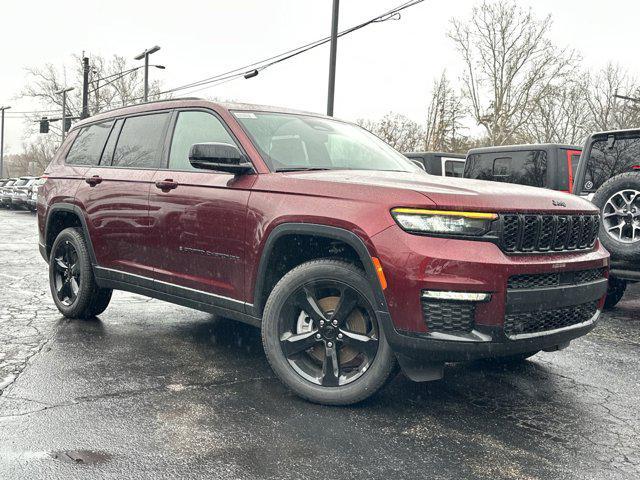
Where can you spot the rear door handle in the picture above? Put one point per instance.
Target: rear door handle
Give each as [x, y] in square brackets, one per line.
[166, 185]
[93, 181]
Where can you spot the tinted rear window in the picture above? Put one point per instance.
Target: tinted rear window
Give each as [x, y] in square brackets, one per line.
[608, 159]
[141, 140]
[88, 145]
[527, 167]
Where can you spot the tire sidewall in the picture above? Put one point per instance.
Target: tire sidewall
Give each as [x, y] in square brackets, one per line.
[359, 389]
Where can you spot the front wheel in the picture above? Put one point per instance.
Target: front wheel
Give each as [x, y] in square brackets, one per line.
[321, 334]
[73, 286]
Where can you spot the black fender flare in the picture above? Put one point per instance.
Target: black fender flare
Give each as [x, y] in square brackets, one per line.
[77, 211]
[325, 231]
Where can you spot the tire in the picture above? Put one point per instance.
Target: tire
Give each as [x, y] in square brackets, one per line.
[622, 244]
[282, 311]
[615, 292]
[73, 286]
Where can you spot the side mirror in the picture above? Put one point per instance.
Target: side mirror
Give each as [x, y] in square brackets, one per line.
[219, 156]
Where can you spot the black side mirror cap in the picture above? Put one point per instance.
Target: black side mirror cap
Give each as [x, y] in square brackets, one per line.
[222, 157]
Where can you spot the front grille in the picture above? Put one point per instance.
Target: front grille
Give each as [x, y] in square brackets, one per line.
[545, 320]
[448, 317]
[541, 280]
[547, 233]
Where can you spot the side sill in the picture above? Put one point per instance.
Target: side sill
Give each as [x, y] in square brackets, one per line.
[107, 278]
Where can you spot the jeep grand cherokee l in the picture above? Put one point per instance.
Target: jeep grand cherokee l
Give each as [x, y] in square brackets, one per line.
[349, 257]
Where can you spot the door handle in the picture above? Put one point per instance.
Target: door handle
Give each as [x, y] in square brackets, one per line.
[93, 181]
[166, 185]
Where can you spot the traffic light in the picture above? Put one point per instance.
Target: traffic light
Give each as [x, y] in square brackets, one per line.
[44, 125]
[67, 124]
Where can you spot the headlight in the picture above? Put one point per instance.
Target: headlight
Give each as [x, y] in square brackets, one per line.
[443, 221]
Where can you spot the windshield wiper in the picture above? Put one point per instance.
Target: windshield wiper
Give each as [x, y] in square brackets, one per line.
[301, 169]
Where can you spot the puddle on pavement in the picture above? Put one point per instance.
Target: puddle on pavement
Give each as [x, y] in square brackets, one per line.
[81, 457]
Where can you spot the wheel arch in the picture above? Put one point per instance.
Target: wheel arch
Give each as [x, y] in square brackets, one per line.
[315, 231]
[59, 217]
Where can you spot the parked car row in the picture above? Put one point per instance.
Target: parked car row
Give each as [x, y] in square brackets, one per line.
[20, 192]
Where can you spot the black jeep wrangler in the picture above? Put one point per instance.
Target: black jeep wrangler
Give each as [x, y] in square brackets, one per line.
[609, 175]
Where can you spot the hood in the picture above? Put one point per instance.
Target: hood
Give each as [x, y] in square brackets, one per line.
[459, 193]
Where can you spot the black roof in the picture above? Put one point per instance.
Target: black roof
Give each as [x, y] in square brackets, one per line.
[523, 147]
[626, 131]
[435, 154]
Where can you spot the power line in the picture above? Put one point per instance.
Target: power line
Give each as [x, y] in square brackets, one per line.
[219, 79]
[393, 14]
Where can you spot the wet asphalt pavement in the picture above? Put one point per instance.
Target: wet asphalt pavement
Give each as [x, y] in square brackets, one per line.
[152, 390]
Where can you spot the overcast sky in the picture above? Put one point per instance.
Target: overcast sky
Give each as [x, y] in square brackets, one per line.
[385, 67]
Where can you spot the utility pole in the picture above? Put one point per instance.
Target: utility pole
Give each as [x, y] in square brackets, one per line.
[2, 109]
[145, 55]
[85, 87]
[64, 92]
[332, 57]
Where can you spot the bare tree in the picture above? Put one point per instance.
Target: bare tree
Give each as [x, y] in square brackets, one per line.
[605, 110]
[511, 66]
[400, 132]
[445, 115]
[34, 159]
[562, 116]
[113, 82]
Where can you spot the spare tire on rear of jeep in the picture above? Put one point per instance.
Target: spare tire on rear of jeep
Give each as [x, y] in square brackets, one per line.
[619, 202]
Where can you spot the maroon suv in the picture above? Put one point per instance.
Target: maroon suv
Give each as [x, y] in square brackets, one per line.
[350, 258]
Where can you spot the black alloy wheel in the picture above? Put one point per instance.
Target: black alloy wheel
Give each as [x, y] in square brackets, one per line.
[328, 333]
[67, 278]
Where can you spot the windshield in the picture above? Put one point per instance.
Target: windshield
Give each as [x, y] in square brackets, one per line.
[609, 158]
[524, 167]
[299, 142]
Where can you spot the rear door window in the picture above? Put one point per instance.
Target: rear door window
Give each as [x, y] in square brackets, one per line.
[609, 158]
[195, 127]
[88, 145]
[141, 140]
[525, 167]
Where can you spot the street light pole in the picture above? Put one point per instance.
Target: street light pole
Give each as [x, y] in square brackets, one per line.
[332, 57]
[64, 92]
[2, 109]
[145, 55]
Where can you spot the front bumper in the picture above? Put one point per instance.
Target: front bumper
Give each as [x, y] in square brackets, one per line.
[484, 342]
[413, 264]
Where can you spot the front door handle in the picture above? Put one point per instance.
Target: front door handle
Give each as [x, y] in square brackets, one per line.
[93, 181]
[166, 185]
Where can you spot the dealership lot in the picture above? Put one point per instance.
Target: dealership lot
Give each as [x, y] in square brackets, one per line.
[156, 390]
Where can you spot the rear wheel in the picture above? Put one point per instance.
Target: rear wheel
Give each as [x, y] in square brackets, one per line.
[73, 286]
[321, 334]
